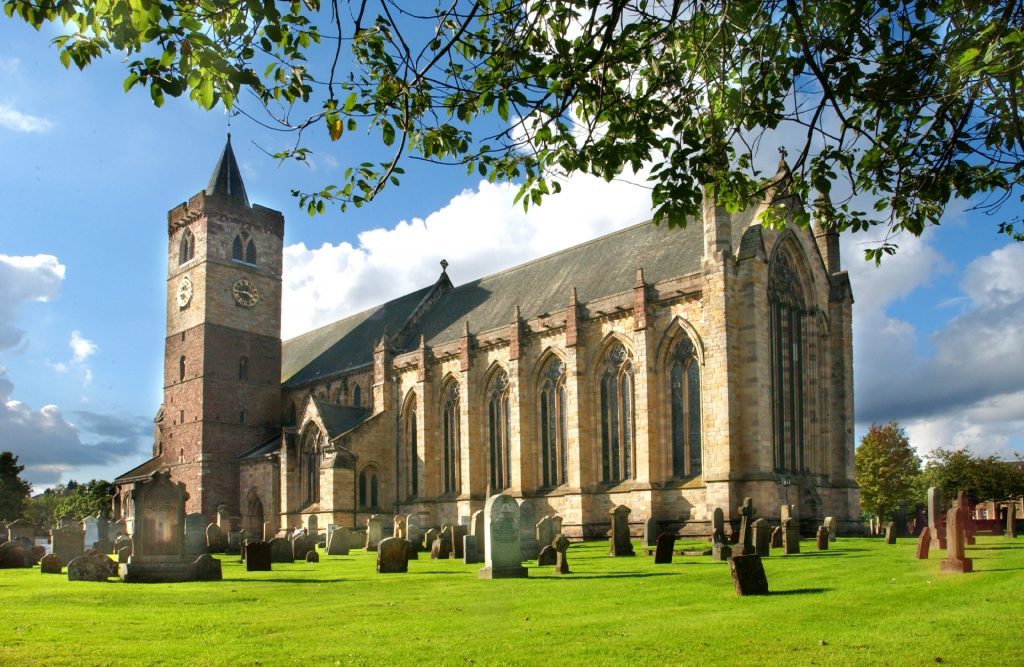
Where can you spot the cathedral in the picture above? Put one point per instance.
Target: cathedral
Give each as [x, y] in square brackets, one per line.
[670, 371]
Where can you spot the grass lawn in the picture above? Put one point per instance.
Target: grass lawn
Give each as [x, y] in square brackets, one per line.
[861, 602]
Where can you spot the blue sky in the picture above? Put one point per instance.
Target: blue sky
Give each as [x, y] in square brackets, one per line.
[88, 174]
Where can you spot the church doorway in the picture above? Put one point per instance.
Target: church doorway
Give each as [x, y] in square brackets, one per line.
[254, 515]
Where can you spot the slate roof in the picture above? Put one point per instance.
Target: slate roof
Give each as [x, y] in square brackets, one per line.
[339, 419]
[141, 471]
[226, 179]
[261, 450]
[598, 268]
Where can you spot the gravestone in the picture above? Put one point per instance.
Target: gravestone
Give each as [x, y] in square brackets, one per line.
[412, 553]
[821, 539]
[337, 543]
[651, 532]
[561, 545]
[619, 539]
[748, 575]
[302, 545]
[556, 525]
[890, 532]
[718, 525]
[312, 556]
[446, 537]
[830, 523]
[458, 532]
[195, 534]
[745, 539]
[374, 531]
[920, 519]
[414, 532]
[776, 539]
[14, 553]
[900, 519]
[431, 535]
[545, 531]
[400, 531]
[790, 536]
[548, 556]
[216, 540]
[1011, 520]
[970, 527]
[470, 552]
[938, 531]
[257, 556]
[68, 541]
[158, 540]
[235, 541]
[502, 534]
[123, 554]
[223, 519]
[956, 538]
[476, 528]
[21, 528]
[312, 526]
[392, 555]
[91, 528]
[91, 568]
[923, 543]
[280, 551]
[441, 548]
[51, 564]
[665, 546]
[762, 531]
[527, 532]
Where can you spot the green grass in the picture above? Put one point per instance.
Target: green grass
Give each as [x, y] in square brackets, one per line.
[861, 602]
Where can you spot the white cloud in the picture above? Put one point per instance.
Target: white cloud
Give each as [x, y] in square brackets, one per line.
[81, 347]
[479, 232]
[24, 279]
[18, 121]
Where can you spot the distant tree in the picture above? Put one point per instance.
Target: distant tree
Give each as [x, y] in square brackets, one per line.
[14, 491]
[41, 507]
[887, 469]
[82, 500]
[981, 478]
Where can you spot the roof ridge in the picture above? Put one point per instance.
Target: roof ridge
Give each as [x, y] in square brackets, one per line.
[355, 314]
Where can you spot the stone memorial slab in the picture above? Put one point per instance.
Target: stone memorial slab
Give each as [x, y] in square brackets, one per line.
[312, 556]
[312, 526]
[470, 552]
[502, 534]
[619, 539]
[400, 531]
[762, 531]
[790, 536]
[374, 531]
[257, 556]
[90, 526]
[748, 575]
[205, 568]
[920, 519]
[235, 542]
[651, 532]
[302, 545]
[745, 539]
[830, 523]
[457, 533]
[216, 539]
[776, 539]
[561, 545]
[545, 531]
[51, 564]
[900, 519]
[14, 554]
[68, 541]
[1011, 520]
[665, 548]
[280, 551]
[337, 543]
[527, 532]
[923, 543]
[431, 535]
[821, 539]
[224, 519]
[195, 534]
[890, 532]
[392, 555]
[88, 568]
[548, 556]
[718, 524]
[476, 528]
[935, 513]
[955, 560]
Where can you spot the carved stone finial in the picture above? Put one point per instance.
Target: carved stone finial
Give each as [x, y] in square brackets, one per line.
[423, 340]
[444, 265]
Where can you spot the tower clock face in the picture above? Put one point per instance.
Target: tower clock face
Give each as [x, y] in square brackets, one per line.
[245, 293]
[184, 292]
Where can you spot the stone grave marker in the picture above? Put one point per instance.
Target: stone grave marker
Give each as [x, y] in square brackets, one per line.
[302, 545]
[1011, 520]
[400, 531]
[431, 535]
[762, 531]
[216, 540]
[195, 534]
[561, 545]
[392, 555]
[235, 542]
[91, 528]
[527, 532]
[548, 556]
[476, 528]
[718, 524]
[312, 526]
[900, 519]
[821, 539]
[312, 556]
[470, 552]
[90, 568]
[955, 560]
[21, 528]
[920, 519]
[619, 539]
[223, 519]
[502, 533]
[776, 539]
[923, 543]
[374, 531]
[665, 547]
[890, 532]
[280, 551]
[830, 523]
[441, 548]
[790, 536]
[258, 556]
[545, 531]
[556, 525]
[938, 531]
[745, 540]
[651, 532]
[748, 575]
[337, 543]
[51, 564]
[68, 541]
[458, 531]
[15, 554]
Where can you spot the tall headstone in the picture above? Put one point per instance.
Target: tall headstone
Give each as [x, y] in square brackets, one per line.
[935, 510]
[471, 550]
[762, 537]
[665, 547]
[502, 534]
[312, 525]
[748, 575]
[68, 541]
[561, 544]
[392, 555]
[91, 527]
[458, 532]
[431, 535]
[955, 560]
[195, 534]
[400, 528]
[821, 539]
[374, 531]
[900, 518]
[545, 531]
[476, 528]
[776, 539]
[745, 541]
[338, 543]
[718, 524]
[619, 539]
[923, 543]
[216, 539]
[790, 537]
[1011, 519]
[920, 519]
[651, 532]
[257, 556]
[830, 523]
[414, 533]
[223, 519]
[527, 535]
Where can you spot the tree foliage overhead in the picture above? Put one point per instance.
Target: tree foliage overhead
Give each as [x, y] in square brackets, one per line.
[900, 104]
[981, 478]
[888, 468]
[14, 491]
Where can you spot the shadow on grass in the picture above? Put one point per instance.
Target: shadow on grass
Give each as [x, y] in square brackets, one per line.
[289, 581]
[819, 554]
[624, 575]
[800, 591]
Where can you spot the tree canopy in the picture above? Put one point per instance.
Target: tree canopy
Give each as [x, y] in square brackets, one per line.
[887, 109]
[981, 478]
[888, 468]
[72, 499]
[14, 491]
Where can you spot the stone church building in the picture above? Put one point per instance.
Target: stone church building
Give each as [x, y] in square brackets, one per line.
[671, 371]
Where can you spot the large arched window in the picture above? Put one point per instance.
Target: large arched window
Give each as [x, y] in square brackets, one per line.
[499, 431]
[186, 247]
[786, 320]
[552, 424]
[450, 416]
[684, 379]
[311, 455]
[243, 248]
[617, 432]
[357, 397]
[368, 488]
[409, 440]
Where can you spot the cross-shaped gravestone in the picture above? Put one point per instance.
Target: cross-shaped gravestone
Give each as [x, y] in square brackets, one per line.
[745, 543]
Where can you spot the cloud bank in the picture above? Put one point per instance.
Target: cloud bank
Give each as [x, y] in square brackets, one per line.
[25, 279]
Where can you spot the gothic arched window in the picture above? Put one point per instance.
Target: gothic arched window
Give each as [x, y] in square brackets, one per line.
[786, 318]
[409, 438]
[450, 415]
[236, 249]
[552, 424]
[311, 455]
[243, 248]
[368, 487]
[357, 397]
[250, 252]
[617, 431]
[684, 379]
[243, 369]
[187, 247]
[499, 431]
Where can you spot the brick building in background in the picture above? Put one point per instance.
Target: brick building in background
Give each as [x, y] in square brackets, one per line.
[671, 371]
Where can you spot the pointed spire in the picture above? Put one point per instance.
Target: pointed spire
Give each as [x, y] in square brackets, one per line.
[226, 180]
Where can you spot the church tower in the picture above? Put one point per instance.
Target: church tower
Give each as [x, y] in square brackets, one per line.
[222, 359]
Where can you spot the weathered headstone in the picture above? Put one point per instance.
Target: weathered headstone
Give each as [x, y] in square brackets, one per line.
[216, 540]
[527, 531]
[312, 526]
[457, 533]
[312, 556]
[548, 556]
[821, 539]
[21, 528]
[280, 551]
[400, 530]
[651, 532]
[470, 551]
[748, 575]
[414, 532]
[762, 531]
[235, 542]
[665, 547]
[374, 531]
[476, 524]
[790, 536]
[68, 541]
[561, 545]
[1011, 520]
[935, 508]
[392, 555]
[718, 525]
[890, 532]
[955, 560]
[195, 534]
[15, 554]
[337, 543]
[223, 519]
[830, 523]
[302, 545]
[900, 518]
[776, 539]
[441, 548]
[545, 531]
[502, 533]
[90, 526]
[619, 539]
[51, 564]
[923, 543]
[258, 556]
[91, 568]
[745, 539]
[431, 535]
[920, 519]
